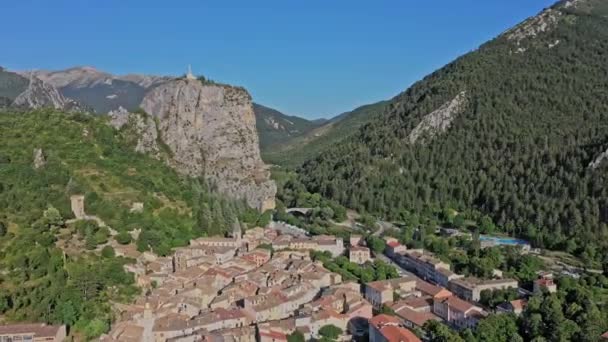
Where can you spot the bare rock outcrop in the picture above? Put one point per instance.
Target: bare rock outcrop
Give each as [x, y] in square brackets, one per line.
[210, 131]
[543, 22]
[144, 129]
[598, 160]
[439, 120]
[39, 159]
[40, 94]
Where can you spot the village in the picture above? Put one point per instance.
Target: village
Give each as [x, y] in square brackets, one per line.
[263, 285]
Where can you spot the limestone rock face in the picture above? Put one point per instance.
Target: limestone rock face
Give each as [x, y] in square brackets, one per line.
[144, 127]
[598, 160]
[40, 94]
[210, 131]
[438, 121]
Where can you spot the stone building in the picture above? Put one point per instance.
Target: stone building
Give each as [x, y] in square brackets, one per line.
[36, 332]
[381, 292]
[470, 288]
[77, 202]
[359, 255]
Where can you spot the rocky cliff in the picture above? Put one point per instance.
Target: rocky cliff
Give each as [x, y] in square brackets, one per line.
[40, 94]
[101, 91]
[209, 130]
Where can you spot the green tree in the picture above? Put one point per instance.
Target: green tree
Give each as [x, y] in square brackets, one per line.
[498, 328]
[123, 238]
[107, 252]
[439, 332]
[90, 242]
[296, 336]
[330, 332]
[376, 244]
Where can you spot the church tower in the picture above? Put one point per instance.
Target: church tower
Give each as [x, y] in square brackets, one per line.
[236, 231]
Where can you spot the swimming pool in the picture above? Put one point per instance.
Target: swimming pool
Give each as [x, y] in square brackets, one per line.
[503, 240]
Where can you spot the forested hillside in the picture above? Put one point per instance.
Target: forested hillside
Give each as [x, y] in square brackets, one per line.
[11, 85]
[82, 154]
[294, 152]
[507, 130]
[275, 128]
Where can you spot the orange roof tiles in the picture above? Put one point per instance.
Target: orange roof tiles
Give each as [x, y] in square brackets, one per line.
[458, 304]
[398, 334]
[382, 319]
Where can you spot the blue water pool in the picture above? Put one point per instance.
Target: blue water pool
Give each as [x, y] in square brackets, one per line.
[503, 240]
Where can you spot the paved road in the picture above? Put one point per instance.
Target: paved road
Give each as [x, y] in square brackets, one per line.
[402, 272]
[383, 226]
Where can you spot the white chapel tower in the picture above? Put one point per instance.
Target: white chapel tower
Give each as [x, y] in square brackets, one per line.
[189, 74]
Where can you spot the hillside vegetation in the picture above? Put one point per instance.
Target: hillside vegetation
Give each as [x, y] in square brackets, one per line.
[293, 152]
[84, 155]
[517, 149]
[275, 128]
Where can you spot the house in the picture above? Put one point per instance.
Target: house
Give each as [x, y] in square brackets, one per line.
[329, 243]
[258, 256]
[123, 332]
[431, 290]
[33, 332]
[216, 242]
[515, 306]
[172, 326]
[244, 334]
[385, 328]
[426, 266]
[604, 336]
[417, 304]
[322, 318]
[470, 288]
[457, 312]
[381, 292]
[359, 255]
[413, 318]
[222, 319]
[355, 240]
[544, 284]
[394, 247]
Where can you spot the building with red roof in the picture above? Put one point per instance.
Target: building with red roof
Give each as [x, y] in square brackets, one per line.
[457, 312]
[544, 284]
[385, 328]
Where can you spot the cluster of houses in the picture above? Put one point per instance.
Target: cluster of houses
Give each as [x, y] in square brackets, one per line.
[262, 285]
[235, 287]
[437, 293]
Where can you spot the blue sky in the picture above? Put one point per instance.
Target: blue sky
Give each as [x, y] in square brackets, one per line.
[313, 58]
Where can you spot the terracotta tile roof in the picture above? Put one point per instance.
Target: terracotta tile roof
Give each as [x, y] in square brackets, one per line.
[382, 319]
[393, 244]
[432, 290]
[417, 318]
[274, 335]
[605, 335]
[398, 334]
[417, 302]
[458, 304]
[518, 304]
[38, 329]
[381, 285]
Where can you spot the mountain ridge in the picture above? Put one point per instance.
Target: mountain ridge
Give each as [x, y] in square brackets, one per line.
[518, 151]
